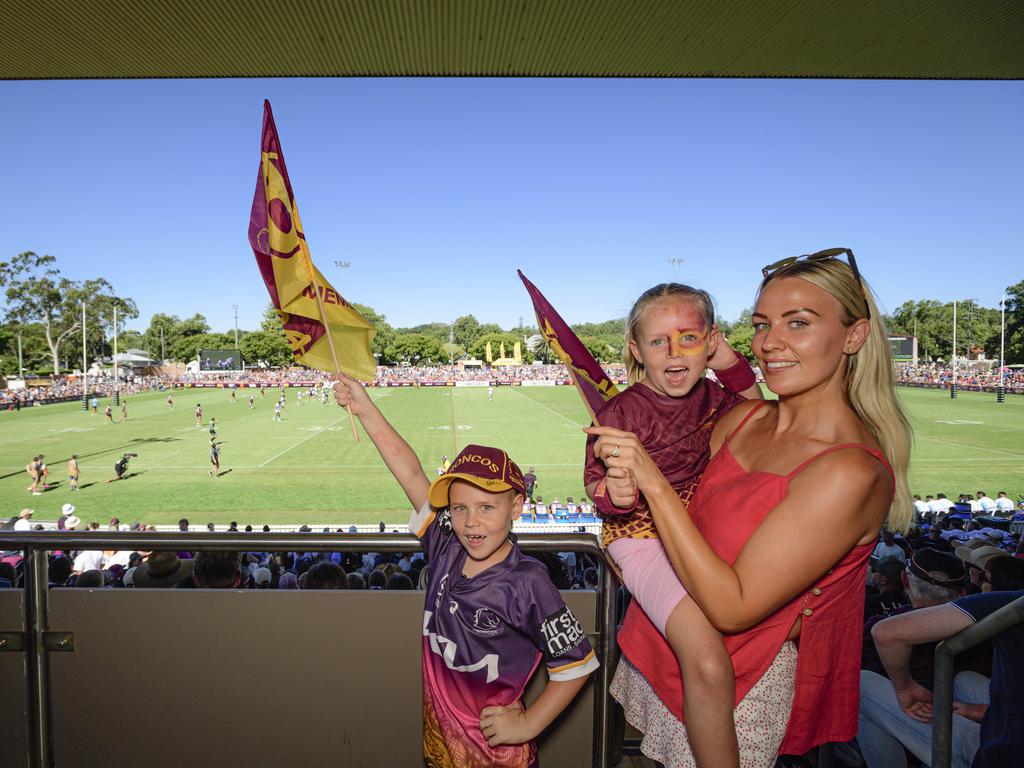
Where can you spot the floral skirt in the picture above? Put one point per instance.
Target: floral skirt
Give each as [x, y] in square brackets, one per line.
[761, 716]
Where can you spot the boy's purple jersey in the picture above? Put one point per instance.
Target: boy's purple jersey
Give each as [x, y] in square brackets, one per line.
[483, 637]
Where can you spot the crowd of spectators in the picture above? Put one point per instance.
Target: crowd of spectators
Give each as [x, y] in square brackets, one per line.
[62, 389]
[406, 375]
[252, 569]
[945, 567]
[941, 376]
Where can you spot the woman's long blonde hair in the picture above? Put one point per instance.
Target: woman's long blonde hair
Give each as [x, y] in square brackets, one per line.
[870, 379]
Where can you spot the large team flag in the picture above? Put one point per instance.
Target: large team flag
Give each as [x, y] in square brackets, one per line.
[325, 333]
[592, 382]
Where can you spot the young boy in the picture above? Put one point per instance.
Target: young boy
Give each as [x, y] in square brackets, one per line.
[491, 613]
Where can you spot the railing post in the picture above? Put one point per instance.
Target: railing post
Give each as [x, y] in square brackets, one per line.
[36, 622]
[608, 652]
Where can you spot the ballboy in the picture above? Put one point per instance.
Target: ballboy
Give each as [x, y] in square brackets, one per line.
[491, 613]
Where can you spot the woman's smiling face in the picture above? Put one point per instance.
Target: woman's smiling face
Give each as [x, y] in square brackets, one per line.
[799, 339]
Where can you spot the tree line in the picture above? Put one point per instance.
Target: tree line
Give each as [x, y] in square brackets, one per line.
[44, 308]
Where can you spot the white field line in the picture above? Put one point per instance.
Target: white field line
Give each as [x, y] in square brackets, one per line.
[559, 415]
[303, 440]
[967, 446]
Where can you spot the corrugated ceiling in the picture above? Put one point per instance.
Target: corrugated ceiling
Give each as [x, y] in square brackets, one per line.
[953, 39]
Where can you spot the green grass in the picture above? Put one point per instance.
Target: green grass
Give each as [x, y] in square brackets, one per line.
[309, 469]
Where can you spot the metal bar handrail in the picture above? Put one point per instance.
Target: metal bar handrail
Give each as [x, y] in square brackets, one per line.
[1008, 616]
[36, 544]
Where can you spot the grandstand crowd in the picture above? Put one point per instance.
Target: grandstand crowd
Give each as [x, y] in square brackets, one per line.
[941, 376]
[65, 388]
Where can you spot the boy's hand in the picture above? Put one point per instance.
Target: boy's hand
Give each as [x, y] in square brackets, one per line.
[351, 394]
[505, 725]
[724, 356]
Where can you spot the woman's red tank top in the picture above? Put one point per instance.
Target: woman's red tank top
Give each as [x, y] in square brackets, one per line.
[727, 508]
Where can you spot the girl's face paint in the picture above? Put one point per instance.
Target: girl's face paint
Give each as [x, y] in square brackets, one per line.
[673, 345]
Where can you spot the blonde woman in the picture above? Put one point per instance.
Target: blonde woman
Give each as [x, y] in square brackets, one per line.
[757, 551]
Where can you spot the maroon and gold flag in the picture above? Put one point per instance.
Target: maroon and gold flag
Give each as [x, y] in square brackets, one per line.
[592, 382]
[279, 244]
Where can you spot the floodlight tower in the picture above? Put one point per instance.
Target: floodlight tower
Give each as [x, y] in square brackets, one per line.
[676, 262]
[235, 307]
[343, 265]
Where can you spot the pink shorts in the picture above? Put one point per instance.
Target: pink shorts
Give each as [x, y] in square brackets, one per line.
[649, 576]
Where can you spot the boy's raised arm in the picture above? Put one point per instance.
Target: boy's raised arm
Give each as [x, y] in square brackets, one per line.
[397, 454]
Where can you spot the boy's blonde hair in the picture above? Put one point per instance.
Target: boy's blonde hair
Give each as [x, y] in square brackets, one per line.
[870, 379]
[701, 299]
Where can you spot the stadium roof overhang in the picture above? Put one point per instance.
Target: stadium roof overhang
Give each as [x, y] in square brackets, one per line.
[953, 39]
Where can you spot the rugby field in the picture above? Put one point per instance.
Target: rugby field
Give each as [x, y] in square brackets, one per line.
[308, 468]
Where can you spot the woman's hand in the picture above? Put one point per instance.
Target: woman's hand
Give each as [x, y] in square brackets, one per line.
[621, 451]
[349, 393]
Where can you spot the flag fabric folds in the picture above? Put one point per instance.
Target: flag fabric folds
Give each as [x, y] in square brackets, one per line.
[279, 244]
[592, 382]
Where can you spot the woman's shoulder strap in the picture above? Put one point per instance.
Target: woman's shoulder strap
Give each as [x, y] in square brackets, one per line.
[842, 446]
[744, 420]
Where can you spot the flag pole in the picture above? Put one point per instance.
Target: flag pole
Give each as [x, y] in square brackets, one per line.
[327, 330]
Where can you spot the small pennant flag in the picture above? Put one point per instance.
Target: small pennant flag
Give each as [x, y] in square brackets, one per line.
[592, 382]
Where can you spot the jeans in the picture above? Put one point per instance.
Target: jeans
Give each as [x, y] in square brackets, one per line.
[883, 729]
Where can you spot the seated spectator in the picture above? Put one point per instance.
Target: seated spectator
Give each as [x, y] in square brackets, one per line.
[377, 579]
[162, 569]
[60, 569]
[9, 576]
[933, 578]
[215, 570]
[590, 578]
[1003, 574]
[356, 581]
[91, 578]
[1004, 505]
[261, 578]
[888, 547]
[325, 575]
[288, 580]
[976, 558]
[887, 577]
[398, 581]
[936, 541]
[999, 739]
[987, 505]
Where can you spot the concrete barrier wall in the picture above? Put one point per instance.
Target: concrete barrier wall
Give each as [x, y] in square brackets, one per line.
[215, 678]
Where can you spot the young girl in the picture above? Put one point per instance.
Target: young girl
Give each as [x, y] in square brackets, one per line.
[671, 407]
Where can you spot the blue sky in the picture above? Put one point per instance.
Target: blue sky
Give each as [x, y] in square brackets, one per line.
[437, 190]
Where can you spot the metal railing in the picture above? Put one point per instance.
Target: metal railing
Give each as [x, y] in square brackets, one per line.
[35, 545]
[942, 694]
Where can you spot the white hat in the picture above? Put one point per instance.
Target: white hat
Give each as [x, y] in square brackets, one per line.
[25, 513]
[71, 523]
[129, 578]
[262, 575]
[67, 509]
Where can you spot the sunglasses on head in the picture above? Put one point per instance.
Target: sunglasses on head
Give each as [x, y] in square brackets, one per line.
[825, 255]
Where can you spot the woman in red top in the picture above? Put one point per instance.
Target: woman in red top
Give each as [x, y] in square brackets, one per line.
[775, 544]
